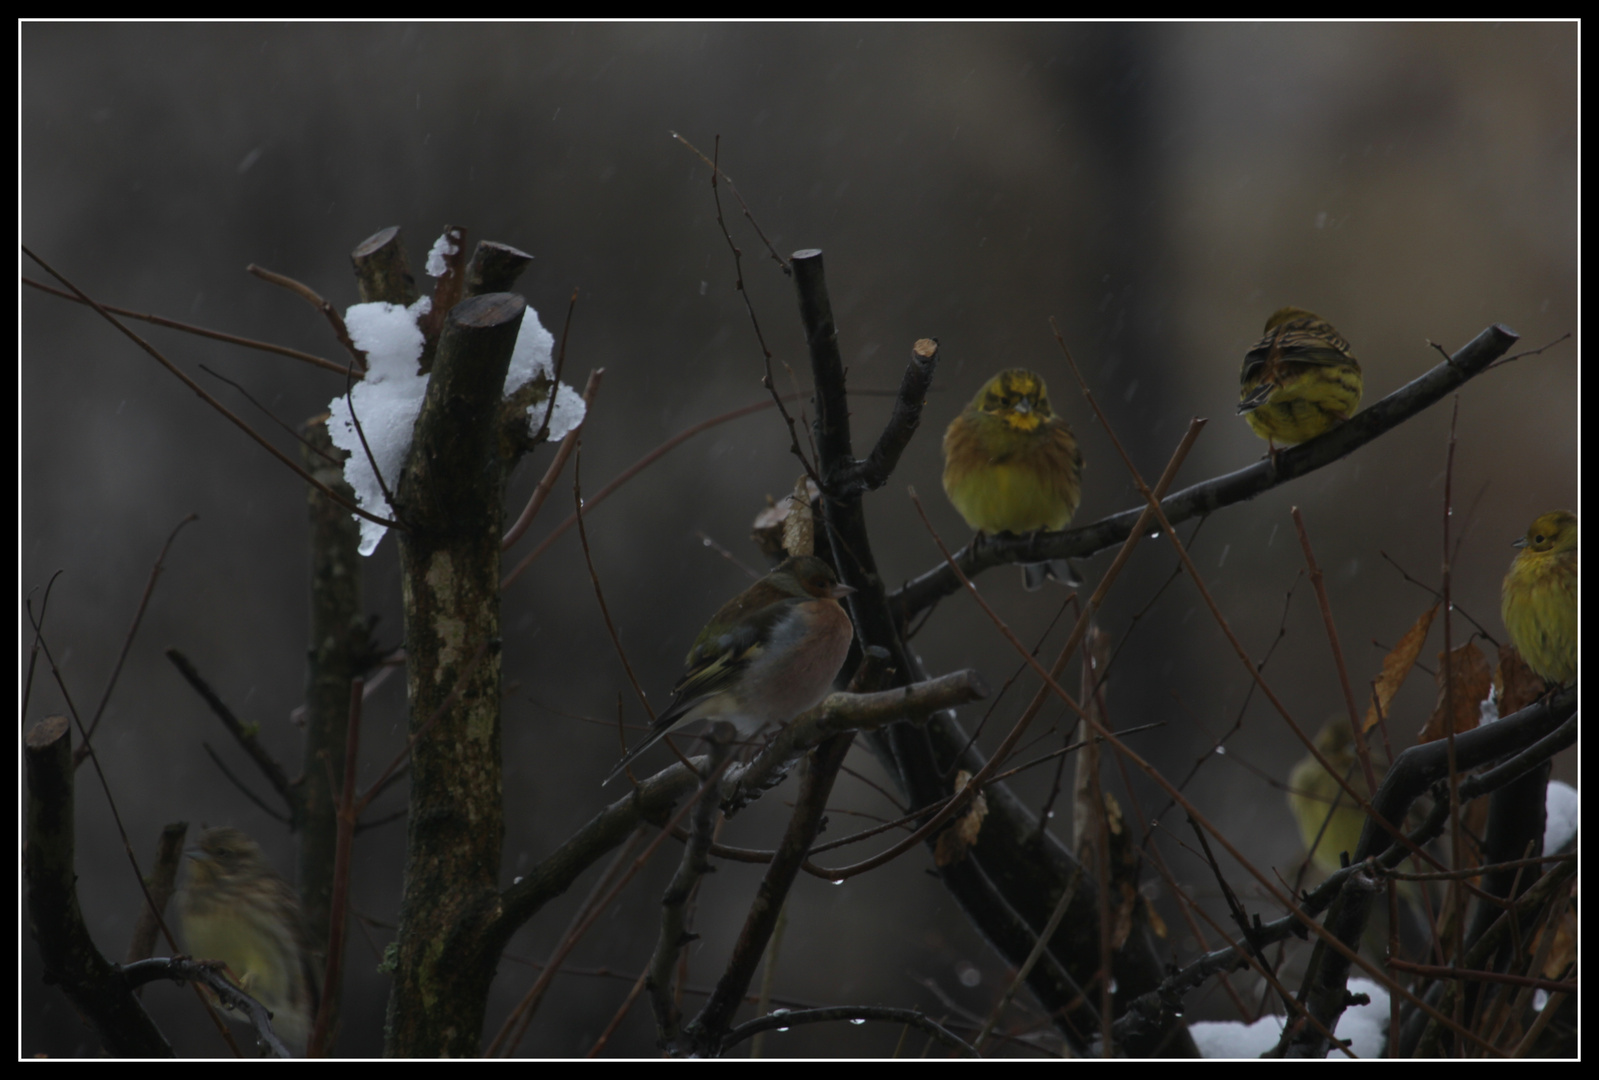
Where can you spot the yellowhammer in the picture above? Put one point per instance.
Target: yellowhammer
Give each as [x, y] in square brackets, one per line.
[1299, 380]
[1312, 792]
[1539, 601]
[1316, 798]
[236, 909]
[1012, 466]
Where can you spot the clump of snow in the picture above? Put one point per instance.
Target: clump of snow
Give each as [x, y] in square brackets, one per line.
[1560, 817]
[1365, 1026]
[1234, 1038]
[389, 398]
[533, 358]
[386, 401]
[567, 414]
[441, 250]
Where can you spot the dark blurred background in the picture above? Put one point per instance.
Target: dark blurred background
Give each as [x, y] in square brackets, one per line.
[1158, 189]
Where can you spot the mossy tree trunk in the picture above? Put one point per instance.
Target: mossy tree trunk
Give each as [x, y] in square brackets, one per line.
[449, 499]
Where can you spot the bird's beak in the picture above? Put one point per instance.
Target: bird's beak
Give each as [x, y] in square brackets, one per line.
[1024, 406]
[1519, 542]
[838, 592]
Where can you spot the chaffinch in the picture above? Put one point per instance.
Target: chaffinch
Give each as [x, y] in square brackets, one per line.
[766, 656]
[1539, 600]
[1299, 380]
[235, 908]
[1011, 465]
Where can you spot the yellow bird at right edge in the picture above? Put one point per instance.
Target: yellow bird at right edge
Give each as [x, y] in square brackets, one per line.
[1300, 380]
[1539, 601]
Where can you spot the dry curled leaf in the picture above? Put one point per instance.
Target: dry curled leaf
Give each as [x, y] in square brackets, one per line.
[1517, 684]
[955, 841]
[1562, 956]
[799, 527]
[1396, 665]
[1463, 683]
[772, 530]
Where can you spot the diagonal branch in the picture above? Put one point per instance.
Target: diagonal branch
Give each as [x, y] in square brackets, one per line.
[244, 736]
[873, 471]
[1290, 464]
[213, 402]
[198, 331]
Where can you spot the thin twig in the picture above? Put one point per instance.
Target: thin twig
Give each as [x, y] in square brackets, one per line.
[1503, 360]
[535, 501]
[599, 593]
[310, 296]
[270, 415]
[38, 631]
[560, 366]
[520, 1018]
[766, 353]
[366, 447]
[127, 641]
[213, 402]
[1438, 972]
[244, 735]
[1456, 909]
[277, 815]
[782, 264]
[620, 1015]
[1438, 596]
[200, 331]
[675, 911]
[558, 957]
[1319, 586]
[343, 850]
[985, 774]
[627, 474]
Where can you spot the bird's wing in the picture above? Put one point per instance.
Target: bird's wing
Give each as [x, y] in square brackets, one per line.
[1257, 397]
[717, 663]
[714, 667]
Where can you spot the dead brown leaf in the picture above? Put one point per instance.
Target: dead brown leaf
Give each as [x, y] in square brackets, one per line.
[1464, 680]
[1396, 665]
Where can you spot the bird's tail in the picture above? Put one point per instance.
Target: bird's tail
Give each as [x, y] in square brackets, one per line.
[1257, 397]
[1062, 570]
[627, 758]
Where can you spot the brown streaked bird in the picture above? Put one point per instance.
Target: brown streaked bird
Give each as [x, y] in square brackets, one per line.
[766, 656]
[235, 908]
[1298, 381]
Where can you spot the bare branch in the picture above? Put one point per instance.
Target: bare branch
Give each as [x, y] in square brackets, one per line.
[200, 331]
[310, 296]
[213, 402]
[243, 735]
[1472, 360]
